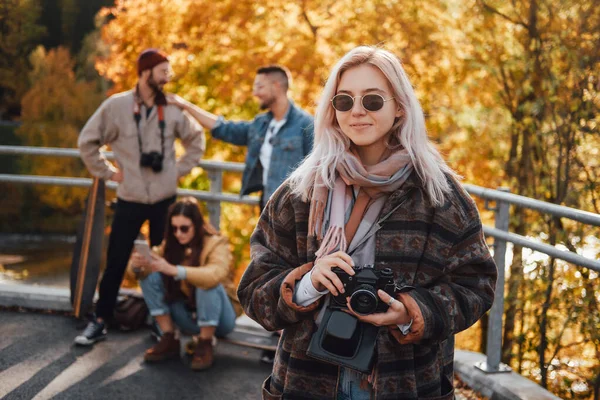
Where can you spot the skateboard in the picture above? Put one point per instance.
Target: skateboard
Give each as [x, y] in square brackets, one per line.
[249, 339]
[247, 333]
[87, 254]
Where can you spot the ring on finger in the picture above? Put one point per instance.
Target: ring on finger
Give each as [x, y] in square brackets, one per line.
[389, 303]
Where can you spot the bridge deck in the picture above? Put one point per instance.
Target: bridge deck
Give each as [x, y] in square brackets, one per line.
[39, 361]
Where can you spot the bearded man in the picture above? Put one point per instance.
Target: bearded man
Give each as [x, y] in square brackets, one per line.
[141, 129]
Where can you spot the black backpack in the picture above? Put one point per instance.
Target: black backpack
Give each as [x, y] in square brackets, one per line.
[131, 313]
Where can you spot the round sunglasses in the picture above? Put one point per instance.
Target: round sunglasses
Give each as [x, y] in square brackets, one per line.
[370, 102]
[183, 228]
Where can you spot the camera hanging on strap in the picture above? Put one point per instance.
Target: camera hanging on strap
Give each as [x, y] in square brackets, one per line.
[152, 159]
[343, 340]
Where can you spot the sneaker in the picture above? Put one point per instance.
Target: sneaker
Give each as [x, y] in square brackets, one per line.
[94, 332]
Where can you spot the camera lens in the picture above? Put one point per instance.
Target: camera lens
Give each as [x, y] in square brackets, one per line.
[157, 164]
[152, 160]
[145, 160]
[364, 300]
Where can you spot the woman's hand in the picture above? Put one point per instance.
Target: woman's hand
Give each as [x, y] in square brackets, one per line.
[396, 313]
[159, 264]
[323, 278]
[139, 261]
[175, 100]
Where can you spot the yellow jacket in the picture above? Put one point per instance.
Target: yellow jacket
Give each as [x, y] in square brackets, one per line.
[214, 268]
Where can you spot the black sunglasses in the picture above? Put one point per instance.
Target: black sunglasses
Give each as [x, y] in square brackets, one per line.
[182, 228]
[370, 102]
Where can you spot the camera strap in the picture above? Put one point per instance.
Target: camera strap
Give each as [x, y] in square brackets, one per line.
[137, 116]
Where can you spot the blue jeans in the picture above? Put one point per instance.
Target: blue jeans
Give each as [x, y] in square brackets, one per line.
[213, 307]
[349, 387]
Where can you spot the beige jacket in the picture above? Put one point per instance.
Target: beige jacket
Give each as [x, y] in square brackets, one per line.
[113, 124]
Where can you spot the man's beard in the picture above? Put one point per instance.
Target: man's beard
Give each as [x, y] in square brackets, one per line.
[267, 104]
[157, 87]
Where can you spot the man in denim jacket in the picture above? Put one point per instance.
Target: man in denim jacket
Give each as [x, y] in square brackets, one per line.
[277, 140]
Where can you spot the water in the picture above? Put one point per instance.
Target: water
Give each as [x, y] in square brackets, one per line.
[36, 259]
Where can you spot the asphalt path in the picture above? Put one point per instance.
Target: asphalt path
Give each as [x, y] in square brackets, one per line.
[39, 361]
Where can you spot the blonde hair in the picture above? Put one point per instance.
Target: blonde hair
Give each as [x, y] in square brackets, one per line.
[330, 142]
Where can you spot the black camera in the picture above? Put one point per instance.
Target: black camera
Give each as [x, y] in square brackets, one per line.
[362, 289]
[152, 160]
[342, 339]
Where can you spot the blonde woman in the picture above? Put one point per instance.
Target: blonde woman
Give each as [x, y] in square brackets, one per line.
[375, 191]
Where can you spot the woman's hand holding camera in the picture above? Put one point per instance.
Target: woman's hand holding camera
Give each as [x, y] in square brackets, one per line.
[395, 314]
[323, 278]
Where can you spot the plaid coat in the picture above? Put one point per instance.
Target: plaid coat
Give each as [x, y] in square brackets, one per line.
[440, 251]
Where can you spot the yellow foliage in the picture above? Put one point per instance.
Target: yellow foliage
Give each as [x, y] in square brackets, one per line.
[494, 104]
[54, 110]
[216, 47]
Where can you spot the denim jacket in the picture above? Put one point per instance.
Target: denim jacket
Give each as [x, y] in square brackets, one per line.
[291, 144]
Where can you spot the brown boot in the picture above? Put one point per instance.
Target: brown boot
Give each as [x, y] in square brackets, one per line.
[168, 347]
[203, 355]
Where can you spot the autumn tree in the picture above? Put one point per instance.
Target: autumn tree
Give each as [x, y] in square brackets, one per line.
[216, 47]
[540, 60]
[510, 92]
[54, 110]
[19, 33]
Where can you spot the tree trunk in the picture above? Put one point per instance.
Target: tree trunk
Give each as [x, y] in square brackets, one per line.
[544, 326]
[512, 301]
[597, 387]
[521, 333]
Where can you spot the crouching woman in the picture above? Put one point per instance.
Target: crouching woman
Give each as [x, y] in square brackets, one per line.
[184, 285]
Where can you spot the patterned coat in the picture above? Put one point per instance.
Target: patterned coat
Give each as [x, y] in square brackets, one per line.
[440, 251]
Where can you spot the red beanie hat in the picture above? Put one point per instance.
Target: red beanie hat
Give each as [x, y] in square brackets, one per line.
[149, 59]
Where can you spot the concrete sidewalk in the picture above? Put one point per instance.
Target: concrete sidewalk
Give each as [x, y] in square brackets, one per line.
[39, 361]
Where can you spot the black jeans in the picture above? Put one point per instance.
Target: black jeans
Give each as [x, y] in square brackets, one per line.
[127, 221]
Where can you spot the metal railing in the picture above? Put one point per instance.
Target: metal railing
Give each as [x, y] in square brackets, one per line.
[504, 200]
[500, 233]
[214, 169]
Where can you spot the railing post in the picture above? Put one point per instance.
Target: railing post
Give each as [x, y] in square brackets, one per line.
[494, 334]
[214, 206]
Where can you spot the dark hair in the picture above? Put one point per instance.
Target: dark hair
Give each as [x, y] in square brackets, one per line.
[279, 72]
[174, 252]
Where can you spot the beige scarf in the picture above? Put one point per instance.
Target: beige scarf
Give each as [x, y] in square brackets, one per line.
[374, 180]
